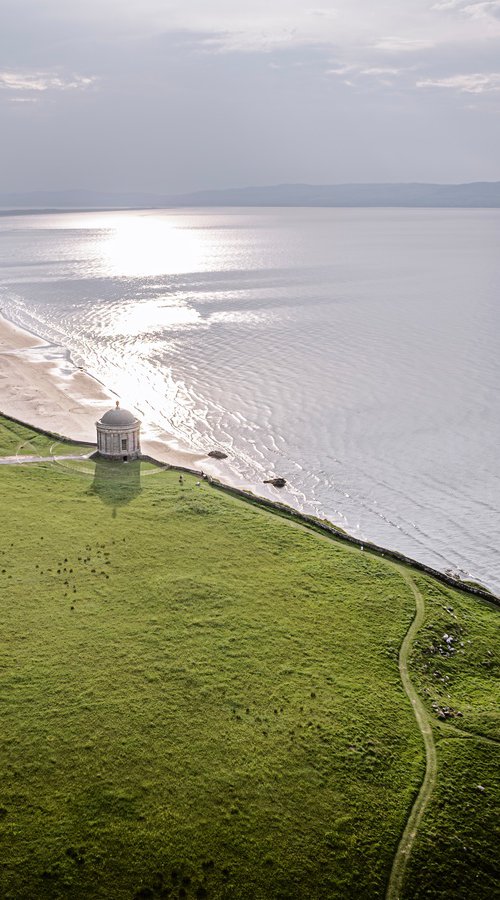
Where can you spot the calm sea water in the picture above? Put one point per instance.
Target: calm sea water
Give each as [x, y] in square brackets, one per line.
[355, 352]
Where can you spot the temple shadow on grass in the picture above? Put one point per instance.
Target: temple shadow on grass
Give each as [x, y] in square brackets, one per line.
[116, 483]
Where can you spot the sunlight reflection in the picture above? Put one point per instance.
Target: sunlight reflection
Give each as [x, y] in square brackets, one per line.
[141, 245]
[146, 316]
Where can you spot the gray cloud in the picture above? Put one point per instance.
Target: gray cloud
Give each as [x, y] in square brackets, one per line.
[166, 96]
[43, 81]
[475, 10]
[475, 83]
[404, 44]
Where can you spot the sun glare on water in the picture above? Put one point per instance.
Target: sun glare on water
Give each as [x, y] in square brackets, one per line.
[141, 245]
[150, 248]
[147, 317]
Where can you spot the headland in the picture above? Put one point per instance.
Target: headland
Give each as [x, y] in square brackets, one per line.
[206, 699]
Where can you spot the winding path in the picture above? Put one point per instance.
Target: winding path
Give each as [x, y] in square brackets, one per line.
[404, 848]
[401, 857]
[20, 460]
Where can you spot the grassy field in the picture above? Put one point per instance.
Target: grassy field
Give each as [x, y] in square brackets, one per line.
[23, 441]
[456, 853]
[201, 699]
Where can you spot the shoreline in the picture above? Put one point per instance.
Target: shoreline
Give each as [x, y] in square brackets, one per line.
[321, 526]
[42, 387]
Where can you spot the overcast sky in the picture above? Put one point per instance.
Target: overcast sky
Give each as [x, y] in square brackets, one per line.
[167, 96]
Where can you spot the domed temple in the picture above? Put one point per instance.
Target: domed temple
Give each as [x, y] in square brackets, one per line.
[119, 434]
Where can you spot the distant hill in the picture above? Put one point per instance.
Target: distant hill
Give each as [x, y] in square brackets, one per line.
[476, 194]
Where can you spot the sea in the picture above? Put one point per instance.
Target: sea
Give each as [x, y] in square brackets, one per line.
[354, 352]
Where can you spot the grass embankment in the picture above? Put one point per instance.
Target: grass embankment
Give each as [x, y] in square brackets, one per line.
[455, 854]
[202, 699]
[17, 439]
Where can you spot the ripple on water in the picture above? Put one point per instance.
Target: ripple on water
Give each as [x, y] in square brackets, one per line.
[353, 351]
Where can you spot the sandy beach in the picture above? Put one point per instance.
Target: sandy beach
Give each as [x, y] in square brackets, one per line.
[40, 385]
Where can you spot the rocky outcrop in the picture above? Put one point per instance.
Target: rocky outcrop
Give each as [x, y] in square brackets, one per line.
[217, 454]
[276, 482]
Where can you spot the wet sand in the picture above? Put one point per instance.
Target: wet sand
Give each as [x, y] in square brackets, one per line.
[40, 385]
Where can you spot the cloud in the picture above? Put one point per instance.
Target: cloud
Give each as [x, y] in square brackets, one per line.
[383, 74]
[480, 9]
[445, 5]
[42, 81]
[199, 94]
[405, 45]
[341, 70]
[380, 70]
[483, 9]
[249, 42]
[476, 83]
[323, 12]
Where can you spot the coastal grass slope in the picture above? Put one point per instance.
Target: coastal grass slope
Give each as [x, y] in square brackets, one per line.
[460, 830]
[17, 439]
[202, 699]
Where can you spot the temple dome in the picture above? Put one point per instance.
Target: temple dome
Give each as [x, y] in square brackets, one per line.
[118, 416]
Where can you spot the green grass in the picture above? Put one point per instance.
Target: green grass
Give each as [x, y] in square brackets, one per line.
[465, 678]
[456, 853]
[23, 441]
[200, 699]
